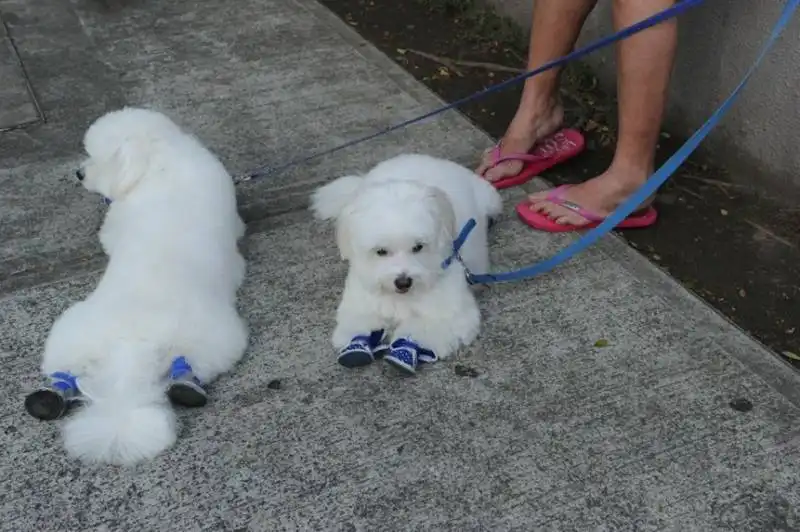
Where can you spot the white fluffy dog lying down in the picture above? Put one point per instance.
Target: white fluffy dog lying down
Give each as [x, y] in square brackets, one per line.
[162, 321]
[396, 227]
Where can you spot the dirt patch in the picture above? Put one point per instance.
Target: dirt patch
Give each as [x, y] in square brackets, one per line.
[733, 245]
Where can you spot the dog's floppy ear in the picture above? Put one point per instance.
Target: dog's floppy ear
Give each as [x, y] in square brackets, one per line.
[446, 214]
[131, 161]
[328, 201]
[344, 236]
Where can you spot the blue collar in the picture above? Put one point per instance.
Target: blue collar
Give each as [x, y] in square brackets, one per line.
[458, 243]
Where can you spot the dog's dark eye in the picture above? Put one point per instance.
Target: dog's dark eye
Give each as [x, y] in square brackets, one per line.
[381, 252]
[417, 248]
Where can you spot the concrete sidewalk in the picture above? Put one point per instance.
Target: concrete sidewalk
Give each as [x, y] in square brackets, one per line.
[533, 428]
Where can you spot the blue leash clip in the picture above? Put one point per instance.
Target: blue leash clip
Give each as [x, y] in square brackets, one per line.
[458, 243]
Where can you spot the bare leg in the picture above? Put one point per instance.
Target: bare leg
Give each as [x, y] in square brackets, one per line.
[554, 30]
[644, 67]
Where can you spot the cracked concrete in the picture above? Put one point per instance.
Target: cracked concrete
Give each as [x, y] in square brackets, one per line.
[541, 431]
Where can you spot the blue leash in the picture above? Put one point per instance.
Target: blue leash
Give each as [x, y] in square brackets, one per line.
[624, 210]
[669, 13]
[648, 189]
[458, 243]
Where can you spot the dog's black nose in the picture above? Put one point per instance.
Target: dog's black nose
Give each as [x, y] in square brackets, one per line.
[403, 283]
[79, 174]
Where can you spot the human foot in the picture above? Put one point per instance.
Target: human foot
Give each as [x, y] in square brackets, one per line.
[587, 204]
[531, 124]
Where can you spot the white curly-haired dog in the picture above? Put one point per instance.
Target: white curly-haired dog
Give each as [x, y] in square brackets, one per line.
[163, 320]
[403, 299]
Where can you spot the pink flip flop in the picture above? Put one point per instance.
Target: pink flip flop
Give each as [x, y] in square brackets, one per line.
[550, 151]
[640, 219]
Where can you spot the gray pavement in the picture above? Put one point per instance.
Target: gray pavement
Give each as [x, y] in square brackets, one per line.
[532, 428]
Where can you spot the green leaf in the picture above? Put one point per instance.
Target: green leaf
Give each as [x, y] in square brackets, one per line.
[602, 342]
[793, 356]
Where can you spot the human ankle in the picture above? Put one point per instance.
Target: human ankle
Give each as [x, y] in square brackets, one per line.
[636, 170]
[622, 181]
[538, 105]
[535, 120]
[539, 94]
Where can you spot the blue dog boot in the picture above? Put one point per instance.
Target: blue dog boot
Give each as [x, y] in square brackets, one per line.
[406, 355]
[380, 344]
[184, 388]
[403, 354]
[363, 350]
[52, 401]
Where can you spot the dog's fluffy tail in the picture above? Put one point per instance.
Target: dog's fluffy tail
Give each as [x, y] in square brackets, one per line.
[328, 201]
[489, 200]
[127, 417]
